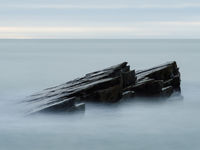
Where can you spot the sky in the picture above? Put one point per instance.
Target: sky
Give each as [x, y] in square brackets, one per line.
[99, 19]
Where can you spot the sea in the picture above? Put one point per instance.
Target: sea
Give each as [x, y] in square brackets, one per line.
[28, 66]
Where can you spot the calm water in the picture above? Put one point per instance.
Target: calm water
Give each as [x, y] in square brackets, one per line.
[28, 66]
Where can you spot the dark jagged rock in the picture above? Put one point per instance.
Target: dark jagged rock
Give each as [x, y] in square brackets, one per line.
[109, 85]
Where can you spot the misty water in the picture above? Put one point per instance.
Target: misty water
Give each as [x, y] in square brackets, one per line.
[28, 66]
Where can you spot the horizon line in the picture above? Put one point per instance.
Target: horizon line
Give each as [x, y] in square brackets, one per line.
[99, 38]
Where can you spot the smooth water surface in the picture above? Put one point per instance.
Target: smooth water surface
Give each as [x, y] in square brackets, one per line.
[28, 66]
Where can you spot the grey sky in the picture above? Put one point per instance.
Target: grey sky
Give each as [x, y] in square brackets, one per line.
[100, 19]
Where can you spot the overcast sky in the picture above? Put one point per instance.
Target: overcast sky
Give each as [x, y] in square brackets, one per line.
[99, 19]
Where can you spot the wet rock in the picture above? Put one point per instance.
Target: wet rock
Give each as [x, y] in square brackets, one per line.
[108, 85]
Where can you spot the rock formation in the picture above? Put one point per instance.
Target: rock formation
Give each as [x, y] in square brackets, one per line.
[109, 85]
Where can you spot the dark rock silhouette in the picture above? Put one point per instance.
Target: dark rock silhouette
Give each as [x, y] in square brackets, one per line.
[109, 86]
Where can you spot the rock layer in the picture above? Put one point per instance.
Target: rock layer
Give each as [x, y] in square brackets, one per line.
[108, 85]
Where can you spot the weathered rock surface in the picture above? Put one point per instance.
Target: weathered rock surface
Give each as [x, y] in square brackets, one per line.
[109, 85]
